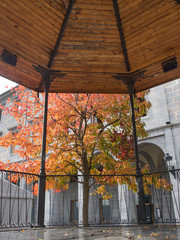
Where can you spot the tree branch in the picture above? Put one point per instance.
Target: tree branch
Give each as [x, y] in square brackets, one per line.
[99, 134]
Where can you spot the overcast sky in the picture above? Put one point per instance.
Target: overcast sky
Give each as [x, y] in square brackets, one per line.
[6, 84]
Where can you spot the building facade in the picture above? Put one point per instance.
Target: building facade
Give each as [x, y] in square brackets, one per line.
[163, 127]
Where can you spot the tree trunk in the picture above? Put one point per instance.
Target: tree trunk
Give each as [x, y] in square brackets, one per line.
[85, 200]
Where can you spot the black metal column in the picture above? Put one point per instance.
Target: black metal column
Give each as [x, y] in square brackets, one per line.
[47, 77]
[42, 180]
[141, 197]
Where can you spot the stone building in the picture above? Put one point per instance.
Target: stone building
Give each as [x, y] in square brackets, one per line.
[163, 127]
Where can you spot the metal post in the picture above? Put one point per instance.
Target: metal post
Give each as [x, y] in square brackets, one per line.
[141, 198]
[42, 179]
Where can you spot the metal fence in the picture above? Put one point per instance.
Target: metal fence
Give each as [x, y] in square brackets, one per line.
[17, 199]
[63, 206]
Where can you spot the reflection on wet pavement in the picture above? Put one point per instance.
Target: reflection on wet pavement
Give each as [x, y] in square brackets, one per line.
[148, 232]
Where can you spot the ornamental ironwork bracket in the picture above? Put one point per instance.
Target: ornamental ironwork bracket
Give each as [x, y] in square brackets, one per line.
[48, 76]
[129, 78]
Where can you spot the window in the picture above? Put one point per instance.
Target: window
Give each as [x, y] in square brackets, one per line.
[12, 147]
[93, 119]
[1, 111]
[0, 115]
[1, 133]
[17, 104]
[104, 207]
[74, 210]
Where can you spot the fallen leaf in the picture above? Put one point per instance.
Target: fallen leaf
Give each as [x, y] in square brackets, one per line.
[66, 234]
[154, 234]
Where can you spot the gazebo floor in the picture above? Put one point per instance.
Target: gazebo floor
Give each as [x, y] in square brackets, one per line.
[147, 232]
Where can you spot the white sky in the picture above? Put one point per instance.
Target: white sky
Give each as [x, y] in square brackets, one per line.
[6, 84]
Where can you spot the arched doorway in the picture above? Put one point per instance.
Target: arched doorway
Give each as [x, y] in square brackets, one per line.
[160, 199]
[151, 154]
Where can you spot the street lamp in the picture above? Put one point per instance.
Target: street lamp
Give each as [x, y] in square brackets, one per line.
[167, 158]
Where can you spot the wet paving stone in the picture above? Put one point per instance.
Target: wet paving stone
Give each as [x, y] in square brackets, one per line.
[147, 232]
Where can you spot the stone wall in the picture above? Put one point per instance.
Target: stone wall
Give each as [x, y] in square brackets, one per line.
[7, 123]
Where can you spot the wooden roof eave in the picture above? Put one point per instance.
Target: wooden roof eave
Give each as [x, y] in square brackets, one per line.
[87, 76]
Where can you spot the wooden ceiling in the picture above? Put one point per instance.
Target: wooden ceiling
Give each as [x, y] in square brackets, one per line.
[95, 43]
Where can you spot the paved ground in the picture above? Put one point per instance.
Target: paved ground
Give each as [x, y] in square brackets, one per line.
[147, 232]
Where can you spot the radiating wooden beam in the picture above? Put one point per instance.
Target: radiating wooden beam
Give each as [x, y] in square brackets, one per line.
[121, 33]
[61, 33]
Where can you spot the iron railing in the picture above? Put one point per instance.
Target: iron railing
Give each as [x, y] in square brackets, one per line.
[63, 206]
[17, 199]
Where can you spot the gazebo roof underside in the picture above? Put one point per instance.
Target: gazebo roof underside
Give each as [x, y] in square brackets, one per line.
[95, 43]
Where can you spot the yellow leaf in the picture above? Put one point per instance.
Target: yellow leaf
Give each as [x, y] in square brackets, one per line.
[154, 234]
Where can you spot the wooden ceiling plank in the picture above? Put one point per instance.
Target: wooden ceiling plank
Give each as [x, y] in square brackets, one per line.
[63, 26]
[50, 9]
[142, 9]
[60, 5]
[162, 21]
[29, 39]
[74, 79]
[46, 17]
[146, 9]
[154, 49]
[89, 88]
[93, 17]
[97, 2]
[32, 12]
[124, 7]
[160, 43]
[89, 57]
[107, 68]
[78, 24]
[106, 52]
[97, 36]
[89, 12]
[90, 39]
[21, 48]
[94, 6]
[17, 18]
[15, 8]
[89, 45]
[99, 23]
[84, 30]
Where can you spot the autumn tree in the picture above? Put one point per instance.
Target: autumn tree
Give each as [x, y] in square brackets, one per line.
[79, 126]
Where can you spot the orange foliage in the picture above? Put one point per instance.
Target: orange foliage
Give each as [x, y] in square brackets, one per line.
[72, 137]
